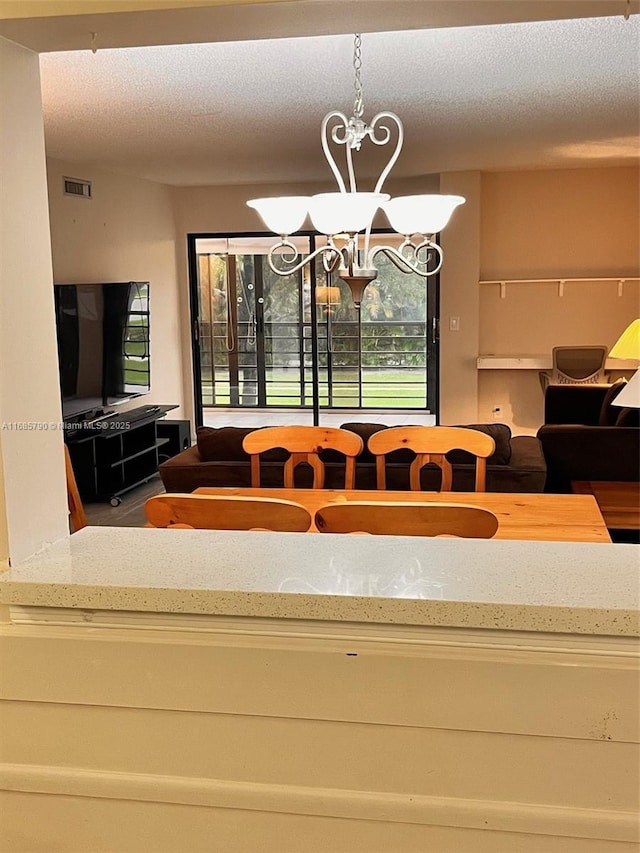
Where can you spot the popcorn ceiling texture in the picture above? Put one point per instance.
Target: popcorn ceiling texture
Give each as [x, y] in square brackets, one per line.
[553, 94]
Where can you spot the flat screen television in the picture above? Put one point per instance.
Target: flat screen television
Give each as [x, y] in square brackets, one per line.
[103, 344]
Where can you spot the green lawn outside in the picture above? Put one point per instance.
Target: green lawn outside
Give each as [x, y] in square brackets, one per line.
[380, 389]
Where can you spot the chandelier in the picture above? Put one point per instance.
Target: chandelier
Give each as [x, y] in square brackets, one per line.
[346, 217]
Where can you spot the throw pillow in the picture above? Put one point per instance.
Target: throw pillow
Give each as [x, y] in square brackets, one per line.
[608, 413]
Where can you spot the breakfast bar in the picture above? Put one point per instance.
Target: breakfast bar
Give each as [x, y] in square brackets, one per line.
[355, 693]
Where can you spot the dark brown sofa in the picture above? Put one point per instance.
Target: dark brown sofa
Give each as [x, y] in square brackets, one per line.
[585, 437]
[217, 459]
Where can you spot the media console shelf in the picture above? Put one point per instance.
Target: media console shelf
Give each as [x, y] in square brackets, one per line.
[112, 455]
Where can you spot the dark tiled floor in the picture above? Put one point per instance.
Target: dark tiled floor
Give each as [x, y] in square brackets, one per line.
[130, 513]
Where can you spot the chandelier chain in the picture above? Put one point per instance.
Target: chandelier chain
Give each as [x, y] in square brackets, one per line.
[358, 107]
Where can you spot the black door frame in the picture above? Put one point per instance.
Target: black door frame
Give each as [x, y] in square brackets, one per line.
[433, 308]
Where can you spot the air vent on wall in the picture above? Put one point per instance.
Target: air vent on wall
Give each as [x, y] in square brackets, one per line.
[77, 187]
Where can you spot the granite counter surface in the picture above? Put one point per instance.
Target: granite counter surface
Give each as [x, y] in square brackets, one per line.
[522, 586]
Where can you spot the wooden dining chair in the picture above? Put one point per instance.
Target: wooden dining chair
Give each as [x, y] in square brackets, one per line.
[222, 512]
[430, 444]
[393, 518]
[76, 510]
[304, 443]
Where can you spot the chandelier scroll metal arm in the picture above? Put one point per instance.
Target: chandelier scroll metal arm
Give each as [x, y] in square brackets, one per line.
[383, 141]
[339, 140]
[328, 251]
[412, 263]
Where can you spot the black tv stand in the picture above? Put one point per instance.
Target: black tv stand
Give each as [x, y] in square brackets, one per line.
[94, 417]
[114, 452]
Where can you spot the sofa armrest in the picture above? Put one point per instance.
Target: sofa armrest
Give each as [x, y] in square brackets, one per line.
[180, 470]
[190, 456]
[574, 452]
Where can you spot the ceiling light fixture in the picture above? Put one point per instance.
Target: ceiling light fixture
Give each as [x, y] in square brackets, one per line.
[344, 215]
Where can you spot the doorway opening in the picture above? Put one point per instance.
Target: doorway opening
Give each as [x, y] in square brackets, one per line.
[267, 343]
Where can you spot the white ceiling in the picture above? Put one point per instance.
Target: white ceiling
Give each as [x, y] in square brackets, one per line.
[540, 94]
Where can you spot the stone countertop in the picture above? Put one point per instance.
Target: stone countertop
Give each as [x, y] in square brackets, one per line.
[561, 587]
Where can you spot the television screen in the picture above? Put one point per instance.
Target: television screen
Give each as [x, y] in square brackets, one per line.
[103, 343]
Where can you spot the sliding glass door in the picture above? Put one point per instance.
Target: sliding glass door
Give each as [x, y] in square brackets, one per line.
[256, 343]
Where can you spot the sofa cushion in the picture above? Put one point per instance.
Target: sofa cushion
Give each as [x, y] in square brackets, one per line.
[608, 413]
[500, 433]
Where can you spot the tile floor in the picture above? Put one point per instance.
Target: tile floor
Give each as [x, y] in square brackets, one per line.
[332, 418]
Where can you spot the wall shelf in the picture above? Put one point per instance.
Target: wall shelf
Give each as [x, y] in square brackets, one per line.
[541, 362]
[560, 282]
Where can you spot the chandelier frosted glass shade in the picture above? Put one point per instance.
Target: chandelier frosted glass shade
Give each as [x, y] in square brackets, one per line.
[344, 213]
[283, 215]
[420, 214]
[349, 213]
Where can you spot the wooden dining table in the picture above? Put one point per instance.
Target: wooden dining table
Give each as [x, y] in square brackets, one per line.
[543, 517]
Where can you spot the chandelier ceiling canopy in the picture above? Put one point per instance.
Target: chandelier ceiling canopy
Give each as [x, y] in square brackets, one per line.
[346, 216]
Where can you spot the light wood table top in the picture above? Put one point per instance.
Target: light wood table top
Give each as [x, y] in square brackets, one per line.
[543, 517]
[619, 502]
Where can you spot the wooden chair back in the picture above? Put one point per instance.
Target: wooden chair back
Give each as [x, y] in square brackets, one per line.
[430, 444]
[304, 444]
[222, 512]
[407, 519]
[76, 510]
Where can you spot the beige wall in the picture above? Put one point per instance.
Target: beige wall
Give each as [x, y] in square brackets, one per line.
[125, 232]
[33, 498]
[459, 298]
[573, 223]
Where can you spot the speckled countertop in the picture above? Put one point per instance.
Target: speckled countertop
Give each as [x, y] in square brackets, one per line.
[524, 586]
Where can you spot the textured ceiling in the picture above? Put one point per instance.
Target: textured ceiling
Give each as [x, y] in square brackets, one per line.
[523, 95]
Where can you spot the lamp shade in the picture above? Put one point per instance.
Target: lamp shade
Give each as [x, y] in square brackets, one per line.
[282, 215]
[628, 344]
[421, 214]
[629, 397]
[333, 213]
[327, 295]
